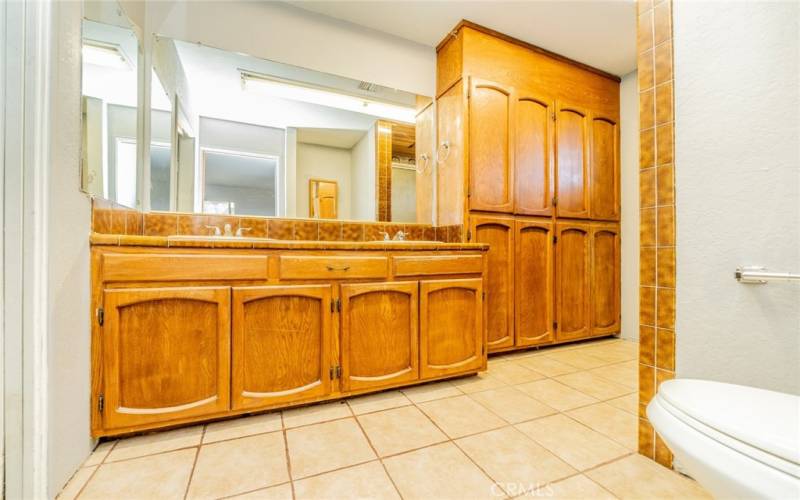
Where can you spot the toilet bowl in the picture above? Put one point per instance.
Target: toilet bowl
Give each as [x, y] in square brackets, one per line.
[736, 441]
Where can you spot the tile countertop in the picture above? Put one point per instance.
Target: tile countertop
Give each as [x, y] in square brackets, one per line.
[269, 244]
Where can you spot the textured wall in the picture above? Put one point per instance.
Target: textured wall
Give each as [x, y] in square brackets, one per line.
[737, 89]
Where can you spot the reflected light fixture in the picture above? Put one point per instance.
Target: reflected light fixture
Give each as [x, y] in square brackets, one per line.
[299, 91]
[105, 54]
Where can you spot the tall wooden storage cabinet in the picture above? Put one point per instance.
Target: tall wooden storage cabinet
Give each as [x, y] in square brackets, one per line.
[528, 161]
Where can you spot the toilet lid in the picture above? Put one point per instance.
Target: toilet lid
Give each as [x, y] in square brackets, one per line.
[766, 420]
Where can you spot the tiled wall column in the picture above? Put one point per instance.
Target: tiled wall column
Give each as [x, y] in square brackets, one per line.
[657, 226]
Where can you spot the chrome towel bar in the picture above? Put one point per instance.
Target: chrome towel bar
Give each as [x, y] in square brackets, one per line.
[760, 276]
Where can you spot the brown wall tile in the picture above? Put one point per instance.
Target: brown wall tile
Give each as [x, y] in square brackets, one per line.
[429, 233]
[664, 103]
[646, 438]
[352, 232]
[646, 69]
[665, 193]
[662, 69]
[647, 266]
[647, 386]
[662, 22]
[373, 232]
[306, 230]
[647, 109]
[193, 224]
[644, 32]
[647, 227]
[662, 376]
[666, 226]
[280, 229]
[664, 144]
[647, 148]
[258, 227]
[330, 231]
[647, 345]
[662, 454]
[647, 187]
[665, 349]
[647, 305]
[666, 267]
[134, 221]
[160, 224]
[665, 308]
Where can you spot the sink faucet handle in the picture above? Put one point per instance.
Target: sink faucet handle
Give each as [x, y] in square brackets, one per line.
[241, 230]
[216, 230]
[386, 236]
[399, 236]
[228, 231]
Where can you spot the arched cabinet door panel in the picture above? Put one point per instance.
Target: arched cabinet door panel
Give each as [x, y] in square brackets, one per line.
[281, 344]
[604, 168]
[448, 155]
[451, 327]
[533, 156]
[572, 162]
[491, 148]
[379, 334]
[605, 279]
[498, 233]
[534, 282]
[573, 276]
[166, 354]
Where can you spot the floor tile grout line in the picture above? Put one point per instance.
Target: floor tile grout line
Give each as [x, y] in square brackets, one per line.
[253, 491]
[191, 473]
[284, 431]
[86, 483]
[375, 451]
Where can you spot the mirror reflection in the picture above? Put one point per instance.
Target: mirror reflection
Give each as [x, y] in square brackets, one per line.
[109, 103]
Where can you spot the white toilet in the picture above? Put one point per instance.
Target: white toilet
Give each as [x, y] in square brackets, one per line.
[736, 441]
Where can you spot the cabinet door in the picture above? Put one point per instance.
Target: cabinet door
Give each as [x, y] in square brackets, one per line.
[498, 233]
[605, 279]
[449, 156]
[573, 300]
[491, 148]
[379, 334]
[534, 282]
[572, 166]
[281, 344]
[533, 158]
[166, 354]
[604, 168]
[451, 327]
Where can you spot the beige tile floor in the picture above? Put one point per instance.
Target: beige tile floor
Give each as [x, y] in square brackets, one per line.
[558, 422]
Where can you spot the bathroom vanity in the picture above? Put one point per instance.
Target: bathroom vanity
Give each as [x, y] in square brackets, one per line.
[195, 328]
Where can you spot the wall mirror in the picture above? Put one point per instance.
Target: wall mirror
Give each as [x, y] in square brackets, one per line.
[257, 137]
[110, 93]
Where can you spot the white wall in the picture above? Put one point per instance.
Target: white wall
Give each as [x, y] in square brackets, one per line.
[629, 184]
[68, 260]
[737, 75]
[363, 174]
[323, 162]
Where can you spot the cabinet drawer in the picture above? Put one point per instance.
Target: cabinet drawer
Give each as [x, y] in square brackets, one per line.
[427, 265]
[183, 267]
[321, 267]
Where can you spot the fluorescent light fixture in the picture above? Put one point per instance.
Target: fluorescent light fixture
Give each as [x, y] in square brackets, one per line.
[298, 91]
[105, 54]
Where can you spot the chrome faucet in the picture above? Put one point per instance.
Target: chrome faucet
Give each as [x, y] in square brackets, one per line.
[241, 230]
[228, 230]
[216, 230]
[386, 236]
[399, 236]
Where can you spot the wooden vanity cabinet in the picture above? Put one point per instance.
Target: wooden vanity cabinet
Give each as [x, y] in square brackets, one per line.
[605, 279]
[281, 344]
[533, 156]
[604, 170]
[166, 354]
[534, 272]
[572, 162]
[451, 327]
[379, 334]
[498, 233]
[573, 280]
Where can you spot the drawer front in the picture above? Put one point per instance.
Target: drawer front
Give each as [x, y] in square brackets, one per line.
[321, 267]
[427, 265]
[183, 267]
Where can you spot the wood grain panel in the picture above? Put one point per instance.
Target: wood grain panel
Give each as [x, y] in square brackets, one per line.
[428, 265]
[182, 267]
[533, 158]
[379, 338]
[449, 155]
[534, 282]
[491, 150]
[281, 344]
[425, 165]
[451, 327]
[498, 233]
[449, 63]
[605, 279]
[573, 293]
[332, 267]
[604, 169]
[167, 354]
[572, 172]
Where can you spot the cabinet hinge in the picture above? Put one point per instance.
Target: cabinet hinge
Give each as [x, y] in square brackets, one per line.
[101, 403]
[335, 372]
[555, 325]
[339, 372]
[101, 316]
[483, 295]
[554, 201]
[555, 240]
[338, 305]
[333, 305]
[553, 115]
[469, 235]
